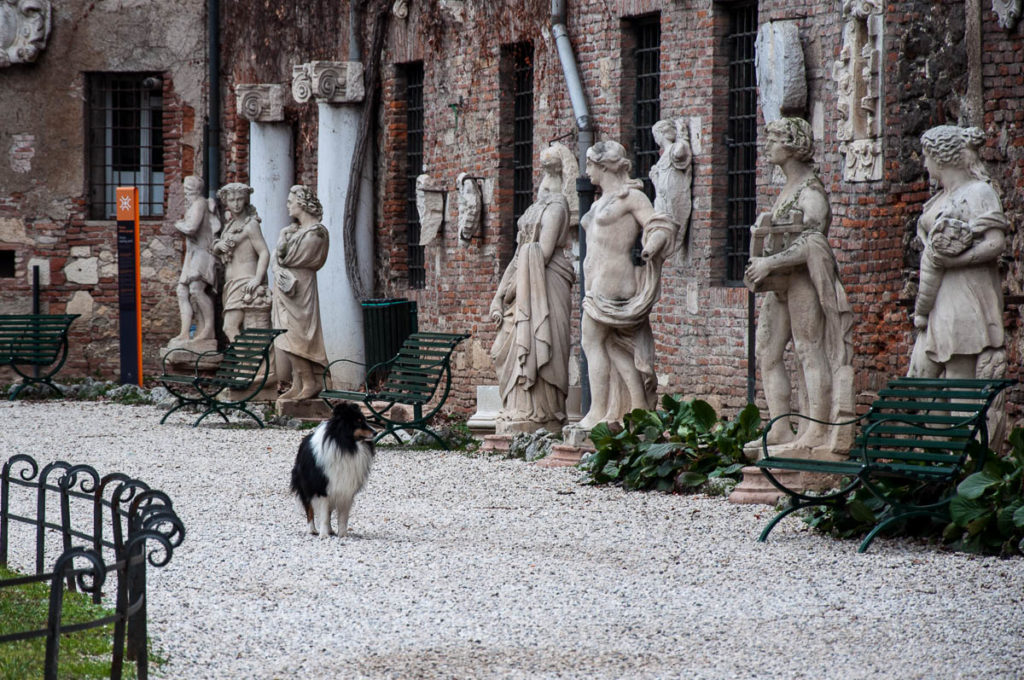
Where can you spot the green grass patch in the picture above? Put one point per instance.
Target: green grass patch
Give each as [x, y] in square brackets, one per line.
[85, 654]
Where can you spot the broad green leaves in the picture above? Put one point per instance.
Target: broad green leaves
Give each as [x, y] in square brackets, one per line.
[681, 445]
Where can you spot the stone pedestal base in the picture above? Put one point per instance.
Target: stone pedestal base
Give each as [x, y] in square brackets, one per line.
[312, 409]
[497, 443]
[180, 361]
[564, 455]
[576, 436]
[755, 487]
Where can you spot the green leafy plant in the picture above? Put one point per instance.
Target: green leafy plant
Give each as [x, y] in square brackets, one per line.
[988, 511]
[679, 446]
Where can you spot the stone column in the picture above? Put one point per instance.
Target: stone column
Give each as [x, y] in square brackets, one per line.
[271, 161]
[337, 87]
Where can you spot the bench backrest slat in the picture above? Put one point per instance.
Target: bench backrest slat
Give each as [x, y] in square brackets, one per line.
[33, 339]
[926, 422]
[242, 359]
[415, 372]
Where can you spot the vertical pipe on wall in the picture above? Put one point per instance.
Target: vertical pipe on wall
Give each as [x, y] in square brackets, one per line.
[585, 140]
[213, 142]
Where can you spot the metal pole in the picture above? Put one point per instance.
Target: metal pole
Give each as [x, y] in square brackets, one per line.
[213, 145]
[751, 348]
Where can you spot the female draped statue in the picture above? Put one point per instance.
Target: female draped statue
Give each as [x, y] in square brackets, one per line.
[620, 291]
[301, 251]
[959, 308]
[532, 306]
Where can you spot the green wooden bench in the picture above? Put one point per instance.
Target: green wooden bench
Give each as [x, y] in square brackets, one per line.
[412, 377]
[237, 380]
[920, 431]
[38, 342]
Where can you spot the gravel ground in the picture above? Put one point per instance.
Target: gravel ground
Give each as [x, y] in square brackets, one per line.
[476, 567]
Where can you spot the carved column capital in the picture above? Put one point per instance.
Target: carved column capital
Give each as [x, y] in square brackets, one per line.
[260, 102]
[332, 82]
[861, 9]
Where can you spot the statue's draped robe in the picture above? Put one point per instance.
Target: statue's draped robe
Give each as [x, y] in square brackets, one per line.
[531, 349]
[296, 300]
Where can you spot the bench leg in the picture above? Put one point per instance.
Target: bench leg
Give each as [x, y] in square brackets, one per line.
[213, 408]
[793, 507]
[31, 381]
[881, 526]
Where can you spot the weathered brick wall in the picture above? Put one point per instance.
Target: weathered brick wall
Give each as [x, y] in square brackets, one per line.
[700, 325]
[43, 203]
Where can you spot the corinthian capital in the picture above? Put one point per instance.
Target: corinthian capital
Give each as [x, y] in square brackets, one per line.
[333, 82]
[260, 103]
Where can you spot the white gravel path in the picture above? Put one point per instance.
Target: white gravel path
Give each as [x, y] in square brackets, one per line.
[474, 567]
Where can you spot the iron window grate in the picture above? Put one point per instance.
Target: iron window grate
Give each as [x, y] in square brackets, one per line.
[125, 141]
[522, 127]
[413, 169]
[741, 139]
[647, 102]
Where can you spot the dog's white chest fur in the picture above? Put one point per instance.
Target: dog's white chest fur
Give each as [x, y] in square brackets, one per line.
[346, 472]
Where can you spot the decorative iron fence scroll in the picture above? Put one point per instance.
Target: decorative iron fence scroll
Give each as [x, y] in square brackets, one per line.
[124, 526]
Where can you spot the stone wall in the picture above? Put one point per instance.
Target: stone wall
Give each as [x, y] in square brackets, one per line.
[43, 199]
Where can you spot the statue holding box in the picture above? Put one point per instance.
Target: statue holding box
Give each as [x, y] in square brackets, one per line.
[792, 263]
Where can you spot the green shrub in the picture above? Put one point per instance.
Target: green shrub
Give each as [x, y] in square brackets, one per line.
[679, 446]
[986, 515]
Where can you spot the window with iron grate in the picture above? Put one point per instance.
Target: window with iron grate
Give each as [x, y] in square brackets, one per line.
[521, 56]
[647, 96]
[413, 76]
[741, 138]
[125, 141]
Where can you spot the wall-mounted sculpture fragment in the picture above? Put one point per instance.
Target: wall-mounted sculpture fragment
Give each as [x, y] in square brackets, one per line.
[857, 73]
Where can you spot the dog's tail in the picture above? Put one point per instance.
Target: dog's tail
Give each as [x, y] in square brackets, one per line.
[297, 490]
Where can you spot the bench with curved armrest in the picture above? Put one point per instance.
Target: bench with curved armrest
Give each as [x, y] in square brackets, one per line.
[38, 341]
[412, 377]
[922, 431]
[237, 380]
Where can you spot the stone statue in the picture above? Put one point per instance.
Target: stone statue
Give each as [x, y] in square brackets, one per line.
[959, 308]
[470, 206]
[24, 29]
[533, 307]
[672, 175]
[430, 206]
[198, 271]
[621, 290]
[792, 263]
[245, 256]
[301, 251]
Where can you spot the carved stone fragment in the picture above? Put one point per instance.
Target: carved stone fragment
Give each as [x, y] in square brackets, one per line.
[430, 205]
[332, 82]
[260, 103]
[470, 206]
[24, 30]
[857, 73]
[1007, 13]
[781, 78]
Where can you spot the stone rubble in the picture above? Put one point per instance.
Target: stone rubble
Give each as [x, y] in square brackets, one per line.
[485, 567]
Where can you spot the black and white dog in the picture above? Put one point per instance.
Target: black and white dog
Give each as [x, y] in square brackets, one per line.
[331, 467]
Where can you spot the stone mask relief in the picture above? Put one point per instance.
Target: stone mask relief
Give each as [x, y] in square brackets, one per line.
[24, 29]
[470, 206]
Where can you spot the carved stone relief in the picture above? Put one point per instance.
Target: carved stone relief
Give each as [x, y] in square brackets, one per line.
[470, 206]
[857, 73]
[24, 29]
[260, 103]
[333, 82]
[430, 206]
[781, 78]
[1007, 12]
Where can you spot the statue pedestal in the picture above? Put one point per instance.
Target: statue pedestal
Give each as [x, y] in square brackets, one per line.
[305, 408]
[185, 360]
[497, 443]
[576, 442]
[755, 487]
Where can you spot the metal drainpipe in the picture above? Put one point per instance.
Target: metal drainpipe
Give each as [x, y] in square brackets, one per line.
[585, 138]
[213, 122]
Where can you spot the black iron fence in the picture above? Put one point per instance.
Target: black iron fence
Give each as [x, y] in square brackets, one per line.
[120, 526]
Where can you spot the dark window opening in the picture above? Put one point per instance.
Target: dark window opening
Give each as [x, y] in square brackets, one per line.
[647, 96]
[413, 168]
[125, 141]
[522, 135]
[741, 139]
[6, 264]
